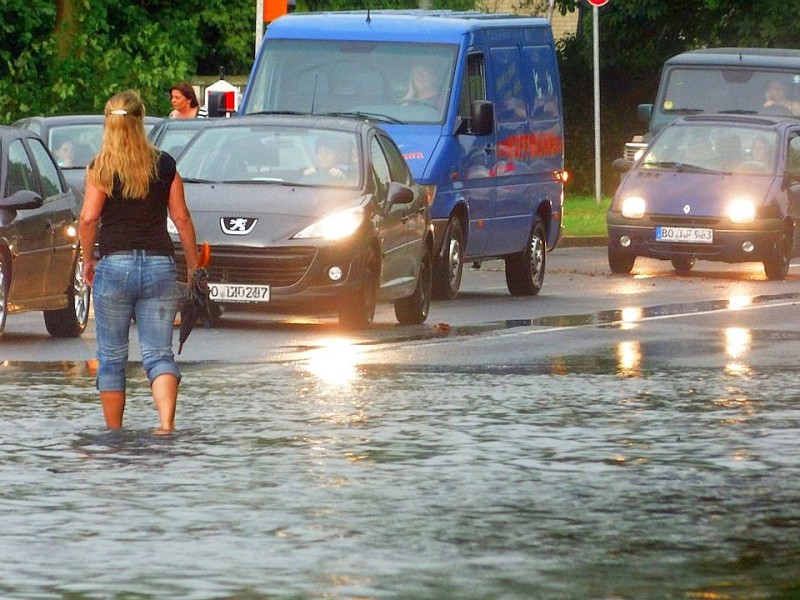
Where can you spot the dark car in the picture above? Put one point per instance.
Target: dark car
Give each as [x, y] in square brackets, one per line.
[287, 228]
[40, 267]
[711, 187]
[172, 135]
[73, 140]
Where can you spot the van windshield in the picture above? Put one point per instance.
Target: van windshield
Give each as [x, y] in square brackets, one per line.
[395, 82]
[708, 90]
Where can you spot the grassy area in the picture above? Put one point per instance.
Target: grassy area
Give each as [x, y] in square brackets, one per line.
[583, 216]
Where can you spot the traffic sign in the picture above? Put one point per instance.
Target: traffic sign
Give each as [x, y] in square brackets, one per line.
[597, 2]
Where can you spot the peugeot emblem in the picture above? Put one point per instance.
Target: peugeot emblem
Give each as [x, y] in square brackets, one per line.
[237, 225]
[687, 209]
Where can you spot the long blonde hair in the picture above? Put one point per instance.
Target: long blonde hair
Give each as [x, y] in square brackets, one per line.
[125, 152]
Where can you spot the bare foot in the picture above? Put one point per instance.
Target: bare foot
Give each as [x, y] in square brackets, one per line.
[162, 431]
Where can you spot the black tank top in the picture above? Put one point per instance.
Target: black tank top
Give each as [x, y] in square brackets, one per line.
[139, 224]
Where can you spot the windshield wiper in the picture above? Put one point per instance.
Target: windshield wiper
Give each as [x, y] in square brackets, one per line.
[685, 111]
[364, 115]
[278, 112]
[195, 180]
[680, 167]
[737, 111]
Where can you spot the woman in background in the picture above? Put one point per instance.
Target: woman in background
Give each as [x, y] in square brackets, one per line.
[131, 186]
[184, 102]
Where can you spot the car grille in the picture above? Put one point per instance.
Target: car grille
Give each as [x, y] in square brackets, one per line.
[278, 267]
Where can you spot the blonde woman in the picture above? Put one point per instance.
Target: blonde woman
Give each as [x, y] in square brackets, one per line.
[130, 188]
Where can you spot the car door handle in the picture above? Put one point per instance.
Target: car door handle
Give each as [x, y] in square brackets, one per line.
[489, 148]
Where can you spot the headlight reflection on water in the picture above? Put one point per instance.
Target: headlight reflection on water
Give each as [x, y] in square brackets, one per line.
[629, 359]
[737, 344]
[334, 362]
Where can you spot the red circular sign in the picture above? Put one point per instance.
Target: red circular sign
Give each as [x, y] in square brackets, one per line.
[597, 2]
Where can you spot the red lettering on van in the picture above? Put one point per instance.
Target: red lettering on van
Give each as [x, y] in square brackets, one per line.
[530, 145]
[413, 155]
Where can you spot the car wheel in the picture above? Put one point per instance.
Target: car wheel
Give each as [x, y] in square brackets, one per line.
[683, 264]
[525, 271]
[71, 320]
[620, 262]
[777, 265]
[448, 271]
[4, 284]
[358, 310]
[413, 310]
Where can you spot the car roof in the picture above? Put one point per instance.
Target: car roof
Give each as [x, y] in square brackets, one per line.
[733, 119]
[354, 124]
[56, 120]
[10, 132]
[777, 58]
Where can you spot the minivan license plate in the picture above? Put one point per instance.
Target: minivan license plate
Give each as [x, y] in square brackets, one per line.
[229, 292]
[688, 235]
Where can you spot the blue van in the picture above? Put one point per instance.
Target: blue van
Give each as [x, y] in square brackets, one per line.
[473, 101]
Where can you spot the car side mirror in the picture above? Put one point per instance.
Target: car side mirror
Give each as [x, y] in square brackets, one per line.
[482, 117]
[399, 194]
[644, 112]
[22, 200]
[622, 165]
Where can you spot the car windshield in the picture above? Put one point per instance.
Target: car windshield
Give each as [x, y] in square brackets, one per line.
[713, 148]
[272, 154]
[73, 146]
[709, 90]
[173, 140]
[385, 80]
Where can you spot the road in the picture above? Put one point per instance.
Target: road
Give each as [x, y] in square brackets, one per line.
[583, 311]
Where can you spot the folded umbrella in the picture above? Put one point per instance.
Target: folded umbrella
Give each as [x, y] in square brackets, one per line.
[197, 304]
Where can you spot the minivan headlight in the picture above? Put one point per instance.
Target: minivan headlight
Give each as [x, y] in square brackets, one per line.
[334, 227]
[742, 210]
[633, 207]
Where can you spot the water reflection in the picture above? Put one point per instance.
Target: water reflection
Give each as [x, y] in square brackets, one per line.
[334, 361]
[737, 344]
[629, 359]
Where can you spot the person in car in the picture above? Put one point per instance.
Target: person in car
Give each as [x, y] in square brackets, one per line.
[131, 187]
[423, 87]
[333, 162]
[65, 154]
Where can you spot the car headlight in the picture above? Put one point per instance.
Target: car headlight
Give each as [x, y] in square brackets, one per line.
[742, 210]
[633, 207]
[171, 227]
[335, 226]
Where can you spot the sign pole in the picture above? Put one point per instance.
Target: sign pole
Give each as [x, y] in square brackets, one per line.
[259, 24]
[596, 4]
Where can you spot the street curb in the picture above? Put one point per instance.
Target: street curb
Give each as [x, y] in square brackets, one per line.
[583, 241]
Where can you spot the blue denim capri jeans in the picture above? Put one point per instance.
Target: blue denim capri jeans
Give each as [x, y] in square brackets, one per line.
[140, 285]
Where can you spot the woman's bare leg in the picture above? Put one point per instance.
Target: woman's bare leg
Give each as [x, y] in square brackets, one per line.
[113, 408]
[165, 395]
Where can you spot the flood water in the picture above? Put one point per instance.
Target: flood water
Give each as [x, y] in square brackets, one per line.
[290, 481]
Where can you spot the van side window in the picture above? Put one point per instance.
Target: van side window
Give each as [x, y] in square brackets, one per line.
[474, 85]
[539, 62]
[510, 105]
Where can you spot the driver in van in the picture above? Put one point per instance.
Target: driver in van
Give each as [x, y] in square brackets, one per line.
[423, 87]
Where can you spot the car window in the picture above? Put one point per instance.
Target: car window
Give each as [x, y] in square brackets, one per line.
[51, 182]
[793, 159]
[381, 168]
[398, 169]
[20, 169]
[84, 141]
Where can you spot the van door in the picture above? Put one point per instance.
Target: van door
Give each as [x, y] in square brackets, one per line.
[511, 222]
[479, 157]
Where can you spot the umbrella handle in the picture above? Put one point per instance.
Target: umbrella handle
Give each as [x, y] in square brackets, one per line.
[205, 255]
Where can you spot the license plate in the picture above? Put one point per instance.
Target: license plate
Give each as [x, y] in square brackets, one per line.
[688, 235]
[230, 292]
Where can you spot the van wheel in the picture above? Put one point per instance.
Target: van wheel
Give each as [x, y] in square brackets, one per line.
[525, 271]
[683, 264]
[413, 310]
[777, 265]
[71, 321]
[5, 282]
[620, 262]
[448, 272]
[358, 310]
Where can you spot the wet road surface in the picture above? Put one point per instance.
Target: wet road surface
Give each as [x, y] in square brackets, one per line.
[641, 450]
